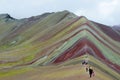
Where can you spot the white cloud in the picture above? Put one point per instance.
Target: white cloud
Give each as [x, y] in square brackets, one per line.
[106, 8]
[103, 11]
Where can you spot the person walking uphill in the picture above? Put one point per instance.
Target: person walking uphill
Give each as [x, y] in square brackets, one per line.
[85, 61]
[91, 72]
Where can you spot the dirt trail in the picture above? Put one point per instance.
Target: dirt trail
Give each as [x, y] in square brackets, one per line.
[69, 72]
[73, 72]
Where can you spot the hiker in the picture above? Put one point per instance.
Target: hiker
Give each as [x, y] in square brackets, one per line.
[86, 67]
[85, 61]
[91, 72]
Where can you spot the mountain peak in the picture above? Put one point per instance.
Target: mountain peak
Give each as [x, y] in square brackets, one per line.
[5, 16]
[116, 25]
[66, 11]
[71, 15]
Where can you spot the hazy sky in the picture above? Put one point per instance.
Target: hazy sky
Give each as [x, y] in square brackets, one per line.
[103, 11]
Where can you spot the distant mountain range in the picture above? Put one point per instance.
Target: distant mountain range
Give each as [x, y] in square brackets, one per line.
[57, 39]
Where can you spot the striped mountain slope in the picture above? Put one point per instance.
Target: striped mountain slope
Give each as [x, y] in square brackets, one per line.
[54, 40]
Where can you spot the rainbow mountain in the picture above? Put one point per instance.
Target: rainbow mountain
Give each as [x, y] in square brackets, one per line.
[52, 46]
